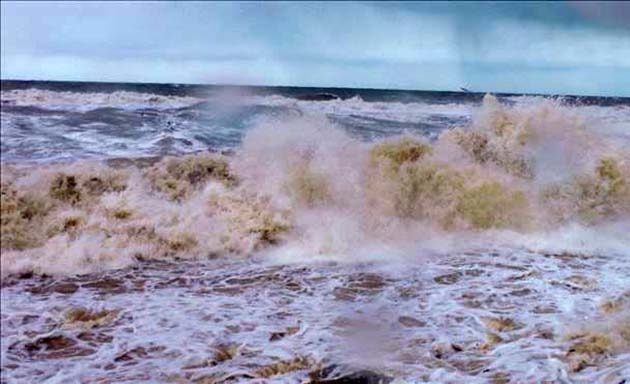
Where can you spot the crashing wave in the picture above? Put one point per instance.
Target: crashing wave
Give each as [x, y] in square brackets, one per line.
[305, 188]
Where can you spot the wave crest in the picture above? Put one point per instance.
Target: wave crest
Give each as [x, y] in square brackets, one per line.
[301, 187]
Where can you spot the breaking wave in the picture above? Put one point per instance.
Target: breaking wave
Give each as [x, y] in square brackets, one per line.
[530, 175]
[83, 102]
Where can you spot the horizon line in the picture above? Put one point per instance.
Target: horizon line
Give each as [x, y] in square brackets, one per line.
[321, 87]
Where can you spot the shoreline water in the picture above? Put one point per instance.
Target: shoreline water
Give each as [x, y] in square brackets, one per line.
[473, 317]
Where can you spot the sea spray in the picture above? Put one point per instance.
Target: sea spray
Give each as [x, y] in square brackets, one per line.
[301, 183]
[496, 252]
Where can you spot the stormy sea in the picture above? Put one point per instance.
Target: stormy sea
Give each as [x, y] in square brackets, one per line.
[166, 233]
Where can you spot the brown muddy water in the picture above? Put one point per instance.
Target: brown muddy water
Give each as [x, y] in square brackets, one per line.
[491, 316]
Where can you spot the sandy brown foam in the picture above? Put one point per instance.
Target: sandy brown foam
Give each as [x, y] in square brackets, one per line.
[302, 187]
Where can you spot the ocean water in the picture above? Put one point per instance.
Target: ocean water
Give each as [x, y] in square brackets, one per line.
[45, 121]
[179, 233]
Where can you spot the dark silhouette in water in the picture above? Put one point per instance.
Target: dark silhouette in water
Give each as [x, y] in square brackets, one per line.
[317, 97]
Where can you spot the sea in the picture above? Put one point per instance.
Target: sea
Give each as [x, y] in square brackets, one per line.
[177, 233]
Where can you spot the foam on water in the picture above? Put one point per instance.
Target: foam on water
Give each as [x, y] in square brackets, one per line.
[426, 320]
[45, 125]
[530, 169]
[483, 254]
[83, 102]
[411, 112]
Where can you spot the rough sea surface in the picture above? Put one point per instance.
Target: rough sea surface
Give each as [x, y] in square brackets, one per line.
[205, 234]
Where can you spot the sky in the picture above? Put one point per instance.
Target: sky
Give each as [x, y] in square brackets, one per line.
[567, 47]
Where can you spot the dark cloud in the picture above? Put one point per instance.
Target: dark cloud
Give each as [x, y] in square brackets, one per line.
[508, 46]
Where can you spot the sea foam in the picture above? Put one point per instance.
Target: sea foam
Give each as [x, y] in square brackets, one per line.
[299, 187]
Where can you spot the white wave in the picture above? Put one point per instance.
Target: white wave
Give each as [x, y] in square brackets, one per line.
[414, 112]
[83, 102]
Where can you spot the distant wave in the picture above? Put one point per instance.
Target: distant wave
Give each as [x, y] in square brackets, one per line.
[391, 110]
[80, 101]
[43, 125]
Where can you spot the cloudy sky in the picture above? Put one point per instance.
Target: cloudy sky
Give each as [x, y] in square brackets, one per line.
[545, 47]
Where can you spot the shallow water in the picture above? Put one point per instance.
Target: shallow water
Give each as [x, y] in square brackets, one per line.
[423, 321]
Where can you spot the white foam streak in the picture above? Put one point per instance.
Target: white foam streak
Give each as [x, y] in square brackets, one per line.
[83, 102]
[413, 112]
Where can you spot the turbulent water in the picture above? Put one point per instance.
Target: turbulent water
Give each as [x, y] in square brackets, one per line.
[165, 233]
